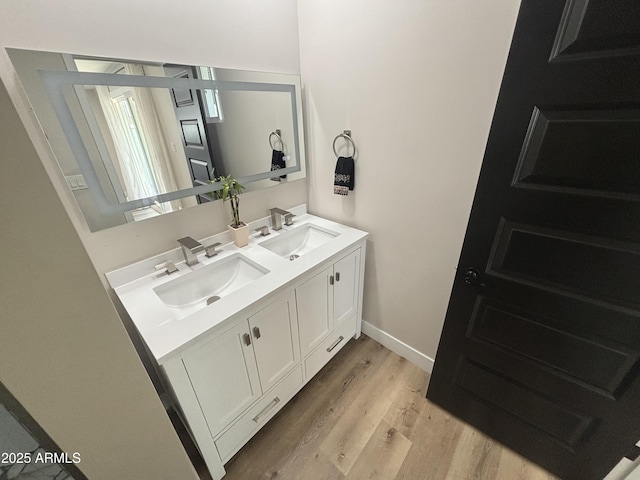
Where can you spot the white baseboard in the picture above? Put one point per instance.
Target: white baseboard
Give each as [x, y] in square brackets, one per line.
[399, 347]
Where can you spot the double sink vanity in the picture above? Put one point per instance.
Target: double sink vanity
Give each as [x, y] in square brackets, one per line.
[237, 334]
[234, 332]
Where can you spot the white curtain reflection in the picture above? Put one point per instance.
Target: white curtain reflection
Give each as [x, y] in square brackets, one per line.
[142, 155]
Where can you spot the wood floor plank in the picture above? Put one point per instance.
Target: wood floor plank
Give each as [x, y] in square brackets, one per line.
[291, 438]
[383, 455]
[405, 412]
[346, 390]
[318, 467]
[350, 408]
[476, 457]
[349, 437]
[434, 438]
[513, 466]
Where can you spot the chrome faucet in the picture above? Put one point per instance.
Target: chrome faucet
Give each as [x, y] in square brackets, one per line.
[211, 250]
[264, 230]
[288, 219]
[276, 218]
[167, 267]
[190, 250]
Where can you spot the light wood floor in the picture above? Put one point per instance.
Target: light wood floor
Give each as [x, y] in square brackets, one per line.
[365, 416]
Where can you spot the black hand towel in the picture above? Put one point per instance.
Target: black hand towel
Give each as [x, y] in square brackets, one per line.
[344, 178]
[278, 162]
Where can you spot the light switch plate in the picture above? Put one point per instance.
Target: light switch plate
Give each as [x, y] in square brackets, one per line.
[76, 182]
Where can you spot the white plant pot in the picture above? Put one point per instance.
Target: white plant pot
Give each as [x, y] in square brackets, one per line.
[240, 235]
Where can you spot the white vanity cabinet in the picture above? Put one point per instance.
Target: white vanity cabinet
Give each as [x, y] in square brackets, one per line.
[314, 299]
[274, 336]
[231, 371]
[327, 299]
[345, 287]
[327, 305]
[241, 377]
[231, 365]
[224, 376]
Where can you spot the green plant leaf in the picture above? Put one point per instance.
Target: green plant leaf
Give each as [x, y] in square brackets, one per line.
[230, 191]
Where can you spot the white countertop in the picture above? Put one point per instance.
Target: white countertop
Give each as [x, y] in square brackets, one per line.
[163, 329]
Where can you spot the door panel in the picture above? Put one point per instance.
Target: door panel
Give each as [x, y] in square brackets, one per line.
[564, 426]
[314, 300]
[601, 367]
[541, 341]
[345, 287]
[274, 340]
[224, 376]
[592, 27]
[567, 261]
[581, 151]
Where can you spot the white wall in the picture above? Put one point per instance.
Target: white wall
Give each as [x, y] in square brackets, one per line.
[64, 354]
[416, 81]
[241, 34]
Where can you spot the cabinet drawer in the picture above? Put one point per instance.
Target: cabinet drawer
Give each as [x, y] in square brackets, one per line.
[236, 436]
[332, 345]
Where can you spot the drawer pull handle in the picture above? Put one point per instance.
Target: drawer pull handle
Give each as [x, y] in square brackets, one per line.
[335, 344]
[256, 332]
[330, 279]
[266, 409]
[247, 339]
[337, 276]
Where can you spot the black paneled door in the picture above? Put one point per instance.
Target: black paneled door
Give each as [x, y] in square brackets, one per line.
[541, 341]
[189, 110]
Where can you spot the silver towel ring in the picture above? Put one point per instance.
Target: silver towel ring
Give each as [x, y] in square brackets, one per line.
[278, 135]
[347, 136]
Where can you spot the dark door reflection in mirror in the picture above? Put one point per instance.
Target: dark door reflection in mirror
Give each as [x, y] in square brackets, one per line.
[190, 116]
[149, 138]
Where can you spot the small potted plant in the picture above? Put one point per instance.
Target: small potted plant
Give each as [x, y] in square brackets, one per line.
[231, 190]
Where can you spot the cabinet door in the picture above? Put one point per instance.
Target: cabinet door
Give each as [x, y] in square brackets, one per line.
[345, 289]
[275, 340]
[314, 300]
[224, 376]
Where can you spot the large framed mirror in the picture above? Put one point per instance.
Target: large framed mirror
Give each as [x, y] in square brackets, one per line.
[137, 139]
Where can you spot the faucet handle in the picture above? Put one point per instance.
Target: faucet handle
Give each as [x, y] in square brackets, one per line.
[168, 266]
[288, 219]
[210, 250]
[264, 230]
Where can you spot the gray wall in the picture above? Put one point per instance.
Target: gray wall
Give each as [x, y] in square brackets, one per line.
[64, 353]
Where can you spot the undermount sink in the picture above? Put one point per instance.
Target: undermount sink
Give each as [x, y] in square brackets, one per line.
[298, 241]
[209, 283]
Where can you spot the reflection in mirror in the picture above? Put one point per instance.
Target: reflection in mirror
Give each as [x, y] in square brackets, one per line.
[139, 139]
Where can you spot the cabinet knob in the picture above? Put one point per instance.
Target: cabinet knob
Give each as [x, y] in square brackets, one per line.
[256, 332]
[247, 339]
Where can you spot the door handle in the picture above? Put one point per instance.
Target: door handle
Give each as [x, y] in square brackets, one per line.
[247, 339]
[256, 332]
[473, 278]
